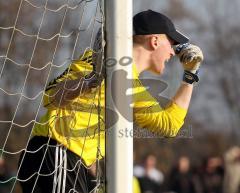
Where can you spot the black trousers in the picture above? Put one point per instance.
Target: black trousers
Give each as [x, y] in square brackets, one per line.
[42, 169]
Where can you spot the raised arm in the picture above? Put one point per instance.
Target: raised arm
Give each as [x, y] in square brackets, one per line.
[168, 121]
[191, 57]
[68, 90]
[183, 95]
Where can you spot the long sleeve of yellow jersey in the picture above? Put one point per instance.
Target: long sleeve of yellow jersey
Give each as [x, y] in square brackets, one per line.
[150, 115]
[77, 68]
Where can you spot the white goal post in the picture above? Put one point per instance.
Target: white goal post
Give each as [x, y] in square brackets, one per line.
[119, 155]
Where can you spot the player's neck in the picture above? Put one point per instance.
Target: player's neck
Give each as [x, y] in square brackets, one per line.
[141, 57]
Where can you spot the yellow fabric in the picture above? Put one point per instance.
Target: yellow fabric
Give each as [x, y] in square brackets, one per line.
[77, 124]
[136, 186]
[148, 113]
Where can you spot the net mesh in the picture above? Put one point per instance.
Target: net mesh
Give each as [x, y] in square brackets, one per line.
[40, 39]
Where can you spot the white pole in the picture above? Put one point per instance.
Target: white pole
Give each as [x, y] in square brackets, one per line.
[119, 144]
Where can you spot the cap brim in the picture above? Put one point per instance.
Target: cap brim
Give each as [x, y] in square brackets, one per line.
[178, 37]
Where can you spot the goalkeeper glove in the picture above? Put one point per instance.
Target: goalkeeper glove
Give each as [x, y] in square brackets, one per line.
[191, 57]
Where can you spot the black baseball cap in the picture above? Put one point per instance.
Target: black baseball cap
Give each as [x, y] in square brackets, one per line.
[151, 22]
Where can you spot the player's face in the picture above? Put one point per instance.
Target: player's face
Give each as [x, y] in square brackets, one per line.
[162, 52]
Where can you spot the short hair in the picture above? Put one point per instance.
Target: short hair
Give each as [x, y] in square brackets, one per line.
[141, 39]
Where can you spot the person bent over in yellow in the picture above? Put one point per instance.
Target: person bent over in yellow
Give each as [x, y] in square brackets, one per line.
[70, 137]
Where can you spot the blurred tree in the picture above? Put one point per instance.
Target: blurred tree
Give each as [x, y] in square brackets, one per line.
[31, 39]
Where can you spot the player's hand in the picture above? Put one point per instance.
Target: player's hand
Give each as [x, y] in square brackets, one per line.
[190, 56]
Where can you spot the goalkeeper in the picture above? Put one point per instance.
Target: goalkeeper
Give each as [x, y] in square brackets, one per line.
[70, 137]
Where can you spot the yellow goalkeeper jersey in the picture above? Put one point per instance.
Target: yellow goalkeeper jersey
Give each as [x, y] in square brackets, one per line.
[79, 125]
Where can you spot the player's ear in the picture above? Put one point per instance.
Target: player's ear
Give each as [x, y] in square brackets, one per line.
[153, 42]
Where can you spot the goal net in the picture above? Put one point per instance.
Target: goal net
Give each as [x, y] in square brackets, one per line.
[44, 44]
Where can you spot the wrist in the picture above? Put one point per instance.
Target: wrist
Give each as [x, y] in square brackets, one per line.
[189, 77]
[187, 84]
